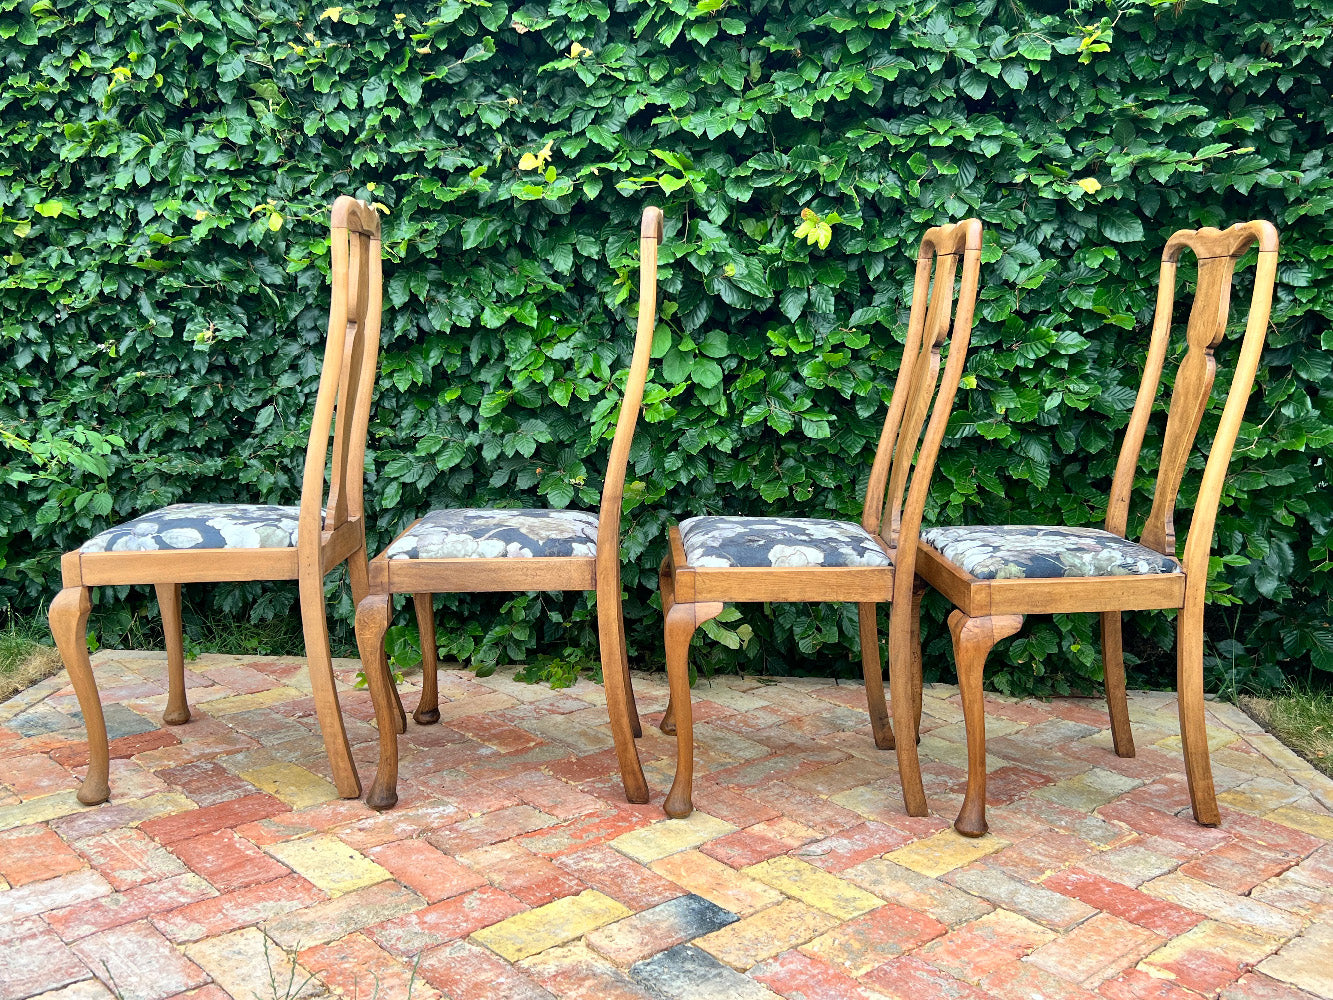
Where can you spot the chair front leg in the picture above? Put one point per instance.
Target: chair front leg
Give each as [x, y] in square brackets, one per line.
[973, 639]
[615, 677]
[631, 706]
[169, 600]
[1113, 666]
[68, 617]
[681, 622]
[320, 661]
[870, 668]
[372, 621]
[904, 634]
[1189, 699]
[428, 706]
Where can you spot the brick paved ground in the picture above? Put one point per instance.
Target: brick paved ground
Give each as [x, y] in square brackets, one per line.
[512, 868]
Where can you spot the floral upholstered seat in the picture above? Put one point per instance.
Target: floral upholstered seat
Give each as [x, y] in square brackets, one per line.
[202, 526]
[778, 541]
[496, 534]
[1017, 551]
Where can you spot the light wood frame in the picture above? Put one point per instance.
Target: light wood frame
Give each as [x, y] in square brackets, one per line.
[599, 573]
[324, 540]
[990, 610]
[895, 498]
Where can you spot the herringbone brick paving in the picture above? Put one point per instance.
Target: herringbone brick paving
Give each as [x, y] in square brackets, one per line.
[512, 868]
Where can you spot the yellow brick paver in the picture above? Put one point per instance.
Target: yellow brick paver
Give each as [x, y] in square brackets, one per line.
[248, 702]
[291, 783]
[533, 931]
[40, 809]
[1318, 824]
[657, 841]
[814, 886]
[328, 863]
[944, 852]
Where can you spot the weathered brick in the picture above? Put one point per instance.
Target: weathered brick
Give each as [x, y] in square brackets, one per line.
[425, 869]
[34, 854]
[138, 963]
[328, 863]
[1054, 909]
[1096, 950]
[672, 836]
[714, 881]
[857, 946]
[355, 966]
[795, 974]
[245, 963]
[976, 949]
[52, 894]
[909, 978]
[33, 960]
[635, 885]
[689, 973]
[135, 903]
[918, 892]
[764, 934]
[759, 842]
[534, 931]
[1137, 907]
[463, 971]
[231, 911]
[448, 920]
[944, 852]
[228, 862]
[530, 879]
[656, 929]
[1210, 956]
[335, 918]
[173, 829]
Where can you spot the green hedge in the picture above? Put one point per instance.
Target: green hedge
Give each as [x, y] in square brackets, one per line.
[168, 166]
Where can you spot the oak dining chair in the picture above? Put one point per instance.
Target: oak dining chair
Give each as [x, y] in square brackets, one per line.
[716, 560]
[478, 550]
[996, 574]
[215, 542]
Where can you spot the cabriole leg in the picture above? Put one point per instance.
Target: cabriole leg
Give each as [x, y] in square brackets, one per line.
[372, 621]
[874, 677]
[428, 707]
[681, 622]
[69, 625]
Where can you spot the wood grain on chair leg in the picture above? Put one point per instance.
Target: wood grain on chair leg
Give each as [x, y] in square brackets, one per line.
[902, 701]
[1189, 697]
[667, 588]
[874, 677]
[972, 641]
[169, 600]
[372, 621]
[1113, 665]
[320, 661]
[632, 708]
[428, 706]
[681, 622]
[918, 592]
[69, 626]
[614, 678]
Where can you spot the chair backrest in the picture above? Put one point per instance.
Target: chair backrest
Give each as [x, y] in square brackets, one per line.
[1217, 252]
[613, 488]
[347, 378]
[890, 507]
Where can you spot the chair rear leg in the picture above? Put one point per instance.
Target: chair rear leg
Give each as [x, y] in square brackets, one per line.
[681, 622]
[666, 585]
[918, 592]
[428, 707]
[1113, 665]
[372, 621]
[320, 662]
[69, 626]
[972, 642]
[631, 706]
[1189, 697]
[906, 720]
[614, 682]
[169, 600]
[874, 676]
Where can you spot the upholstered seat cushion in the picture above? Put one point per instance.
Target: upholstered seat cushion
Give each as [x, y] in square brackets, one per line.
[202, 526]
[778, 541]
[496, 534]
[1012, 551]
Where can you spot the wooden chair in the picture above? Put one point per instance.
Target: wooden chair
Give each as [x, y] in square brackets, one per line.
[994, 575]
[475, 551]
[714, 560]
[209, 543]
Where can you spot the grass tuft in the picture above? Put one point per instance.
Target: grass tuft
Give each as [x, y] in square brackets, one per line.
[26, 655]
[1303, 720]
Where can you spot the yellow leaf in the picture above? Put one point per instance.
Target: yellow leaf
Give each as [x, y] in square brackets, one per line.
[200, 215]
[1090, 184]
[275, 221]
[380, 207]
[545, 154]
[332, 13]
[528, 162]
[576, 50]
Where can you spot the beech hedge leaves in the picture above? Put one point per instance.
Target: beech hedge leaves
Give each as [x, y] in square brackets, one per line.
[168, 167]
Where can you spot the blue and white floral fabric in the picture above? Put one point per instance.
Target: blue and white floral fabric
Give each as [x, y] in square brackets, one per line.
[1039, 552]
[778, 541]
[202, 526]
[498, 534]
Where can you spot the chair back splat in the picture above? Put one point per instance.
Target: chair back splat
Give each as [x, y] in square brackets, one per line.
[895, 498]
[348, 377]
[1217, 252]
